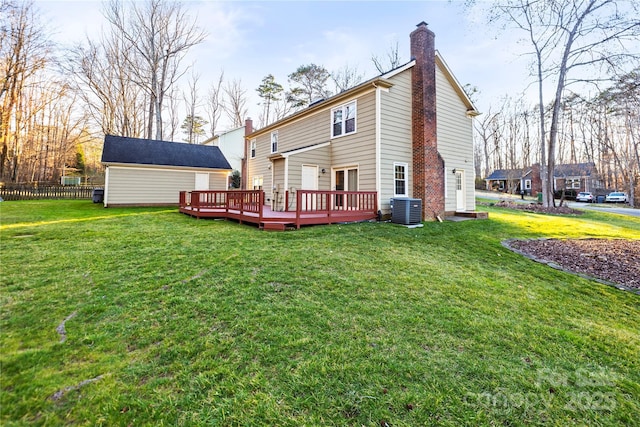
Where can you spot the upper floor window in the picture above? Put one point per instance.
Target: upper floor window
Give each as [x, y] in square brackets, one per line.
[400, 179]
[274, 141]
[253, 148]
[343, 119]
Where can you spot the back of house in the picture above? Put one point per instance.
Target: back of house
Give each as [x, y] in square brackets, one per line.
[405, 133]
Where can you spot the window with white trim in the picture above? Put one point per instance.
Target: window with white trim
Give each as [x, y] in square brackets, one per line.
[253, 148]
[572, 183]
[257, 182]
[527, 184]
[343, 119]
[400, 179]
[274, 141]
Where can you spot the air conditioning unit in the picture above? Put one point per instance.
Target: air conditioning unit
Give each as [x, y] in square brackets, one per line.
[406, 211]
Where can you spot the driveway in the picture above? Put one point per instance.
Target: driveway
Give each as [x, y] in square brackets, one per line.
[611, 208]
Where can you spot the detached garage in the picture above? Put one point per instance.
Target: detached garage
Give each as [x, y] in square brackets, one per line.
[145, 172]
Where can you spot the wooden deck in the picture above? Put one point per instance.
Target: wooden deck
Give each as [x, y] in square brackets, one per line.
[312, 207]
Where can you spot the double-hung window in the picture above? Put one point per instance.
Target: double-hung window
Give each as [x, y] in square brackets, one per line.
[274, 141]
[400, 179]
[343, 119]
[572, 183]
[253, 148]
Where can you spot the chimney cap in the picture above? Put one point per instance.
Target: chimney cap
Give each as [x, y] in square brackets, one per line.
[422, 24]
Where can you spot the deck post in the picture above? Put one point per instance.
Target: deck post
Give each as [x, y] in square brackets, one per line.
[298, 205]
[261, 202]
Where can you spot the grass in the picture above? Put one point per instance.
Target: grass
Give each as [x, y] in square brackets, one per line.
[180, 321]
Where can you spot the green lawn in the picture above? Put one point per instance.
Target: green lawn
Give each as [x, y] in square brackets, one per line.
[177, 321]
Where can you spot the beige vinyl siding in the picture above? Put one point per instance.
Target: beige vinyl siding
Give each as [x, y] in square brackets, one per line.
[259, 166]
[320, 157]
[359, 149]
[455, 141]
[276, 194]
[218, 180]
[314, 129]
[396, 138]
[356, 149]
[146, 186]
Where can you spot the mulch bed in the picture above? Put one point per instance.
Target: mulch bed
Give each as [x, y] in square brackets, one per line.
[538, 208]
[613, 261]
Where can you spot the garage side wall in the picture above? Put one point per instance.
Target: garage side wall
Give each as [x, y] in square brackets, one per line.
[149, 186]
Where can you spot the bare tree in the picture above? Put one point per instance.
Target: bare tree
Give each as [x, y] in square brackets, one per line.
[389, 61]
[346, 78]
[484, 131]
[174, 116]
[24, 52]
[103, 78]
[159, 34]
[215, 104]
[568, 36]
[236, 101]
[193, 123]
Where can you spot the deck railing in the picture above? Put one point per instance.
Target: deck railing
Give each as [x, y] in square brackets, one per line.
[321, 201]
[335, 205]
[312, 207]
[251, 201]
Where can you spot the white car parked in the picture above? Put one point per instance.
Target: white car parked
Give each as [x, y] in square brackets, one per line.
[585, 196]
[616, 197]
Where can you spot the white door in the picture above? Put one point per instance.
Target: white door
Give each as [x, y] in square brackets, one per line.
[461, 205]
[202, 182]
[309, 182]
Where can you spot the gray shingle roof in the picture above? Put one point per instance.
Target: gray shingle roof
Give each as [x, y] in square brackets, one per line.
[118, 149]
[505, 174]
[574, 170]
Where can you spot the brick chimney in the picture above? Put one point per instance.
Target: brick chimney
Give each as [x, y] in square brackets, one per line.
[248, 129]
[428, 165]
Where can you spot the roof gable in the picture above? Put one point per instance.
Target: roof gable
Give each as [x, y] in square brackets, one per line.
[574, 169]
[118, 149]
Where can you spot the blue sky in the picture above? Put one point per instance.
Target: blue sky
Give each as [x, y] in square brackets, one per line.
[249, 39]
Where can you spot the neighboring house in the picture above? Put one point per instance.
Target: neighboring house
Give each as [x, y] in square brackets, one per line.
[505, 180]
[577, 176]
[149, 172]
[405, 133]
[231, 143]
[574, 176]
[516, 180]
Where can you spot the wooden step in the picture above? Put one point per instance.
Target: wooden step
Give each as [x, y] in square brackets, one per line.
[473, 214]
[276, 226]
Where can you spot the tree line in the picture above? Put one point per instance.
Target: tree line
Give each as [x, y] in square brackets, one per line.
[577, 48]
[603, 129]
[130, 81]
[123, 82]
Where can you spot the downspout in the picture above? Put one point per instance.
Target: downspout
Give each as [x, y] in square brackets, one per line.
[286, 180]
[106, 186]
[378, 131]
